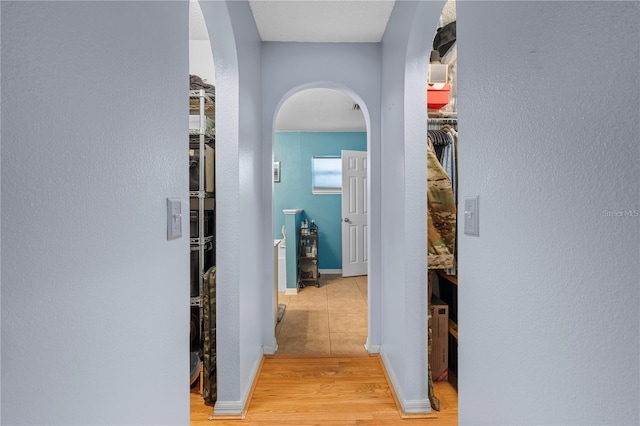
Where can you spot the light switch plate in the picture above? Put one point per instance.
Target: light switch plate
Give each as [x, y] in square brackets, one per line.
[471, 216]
[174, 218]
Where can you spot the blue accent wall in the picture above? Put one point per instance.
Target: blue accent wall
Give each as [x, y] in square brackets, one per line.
[295, 150]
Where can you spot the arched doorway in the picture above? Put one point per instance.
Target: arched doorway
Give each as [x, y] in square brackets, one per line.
[373, 283]
[322, 310]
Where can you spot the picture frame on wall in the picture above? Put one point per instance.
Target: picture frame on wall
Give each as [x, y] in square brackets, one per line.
[276, 171]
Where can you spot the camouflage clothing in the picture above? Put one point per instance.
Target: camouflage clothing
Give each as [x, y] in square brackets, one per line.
[210, 388]
[441, 226]
[441, 214]
[433, 399]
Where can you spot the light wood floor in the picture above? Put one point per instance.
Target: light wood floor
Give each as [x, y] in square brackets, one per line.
[326, 390]
[322, 374]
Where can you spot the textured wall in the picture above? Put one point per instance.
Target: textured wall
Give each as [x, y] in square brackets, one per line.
[255, 241]
[95, 319]
[295, 150]
[353, 68]
[405, 49]
[549, 293]
[244, 289]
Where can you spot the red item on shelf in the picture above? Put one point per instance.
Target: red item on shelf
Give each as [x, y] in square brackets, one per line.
[438, 95]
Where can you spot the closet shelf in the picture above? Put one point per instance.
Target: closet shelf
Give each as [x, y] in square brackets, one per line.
[201, 194]
[201, 132]
[194, 141]
[207, 132]
[202, 112]
[452, 278]
[443, 114]
[209, 107]
[196, 241]
[196, 94]
[453, 329]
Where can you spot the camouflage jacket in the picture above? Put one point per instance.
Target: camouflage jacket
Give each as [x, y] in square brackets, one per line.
[441, 214]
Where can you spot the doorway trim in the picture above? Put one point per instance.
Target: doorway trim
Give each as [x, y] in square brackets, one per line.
[374, 310]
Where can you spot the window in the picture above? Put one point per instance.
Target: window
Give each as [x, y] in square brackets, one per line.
[326, 175]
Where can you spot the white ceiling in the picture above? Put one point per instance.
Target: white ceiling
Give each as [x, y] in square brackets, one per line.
[345, 21]
[321, 20]
[320, 110]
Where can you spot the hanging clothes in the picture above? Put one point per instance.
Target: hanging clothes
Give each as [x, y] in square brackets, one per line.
[448, 160]
[451, 165]
[210, 387]
[445, 143]
[441, 214]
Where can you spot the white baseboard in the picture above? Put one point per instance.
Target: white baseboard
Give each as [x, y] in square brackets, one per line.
[291, 291]
[416, 406]
[270, 350]
[372, 349]
[236, 408]
[227, 408]
[330, 271]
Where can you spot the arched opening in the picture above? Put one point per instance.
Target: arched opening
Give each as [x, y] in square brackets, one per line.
[245, 118]
[318, 133]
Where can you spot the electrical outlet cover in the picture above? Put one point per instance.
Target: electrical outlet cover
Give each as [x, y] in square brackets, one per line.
[471, 216]
[174, 218]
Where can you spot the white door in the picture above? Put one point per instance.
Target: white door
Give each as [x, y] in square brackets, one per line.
[354, 213]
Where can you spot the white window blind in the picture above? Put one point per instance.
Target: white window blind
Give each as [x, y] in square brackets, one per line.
[326, 174]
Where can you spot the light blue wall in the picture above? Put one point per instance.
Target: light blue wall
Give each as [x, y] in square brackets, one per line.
[404, 202]
[561, 282]
[294, 150]
[244, 298]
[81, 314]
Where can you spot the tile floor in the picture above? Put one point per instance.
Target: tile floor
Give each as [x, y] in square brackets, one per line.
[328, 320]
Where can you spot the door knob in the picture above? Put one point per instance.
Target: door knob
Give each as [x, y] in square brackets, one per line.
[346, 219]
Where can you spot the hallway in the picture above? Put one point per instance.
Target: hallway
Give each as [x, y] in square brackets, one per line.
[331, 319]
[322, 374]
[326, 390]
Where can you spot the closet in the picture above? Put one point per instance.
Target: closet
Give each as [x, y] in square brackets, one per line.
[202, 237]
[442, 196]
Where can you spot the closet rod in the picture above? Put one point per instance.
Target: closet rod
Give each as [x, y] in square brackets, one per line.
[438, 120]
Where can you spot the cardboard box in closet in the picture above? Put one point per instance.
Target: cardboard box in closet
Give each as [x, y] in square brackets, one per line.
[209, 169]
[439, 325]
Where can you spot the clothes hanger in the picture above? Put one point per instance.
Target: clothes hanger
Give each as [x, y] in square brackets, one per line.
[441, 138]
[436, 137]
